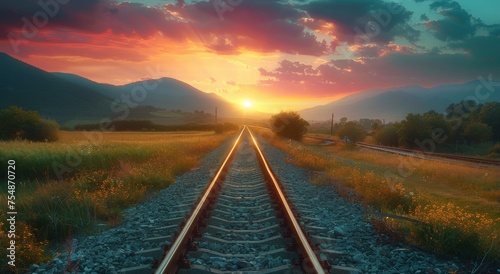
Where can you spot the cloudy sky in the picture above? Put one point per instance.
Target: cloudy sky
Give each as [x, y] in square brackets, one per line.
[278, 54]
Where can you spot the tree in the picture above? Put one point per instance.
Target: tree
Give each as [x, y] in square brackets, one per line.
[413, 128]
[387, 135]
[289, 124]
[440, 129]
[18, 124]
[370, 124]
[490, 115]
[477, 132]
[343, 120]
[376, 124]
[460, 114]
[353, 131]
[465, 110]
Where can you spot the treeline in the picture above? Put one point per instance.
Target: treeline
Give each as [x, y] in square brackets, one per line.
[465, 123]
[146, 125]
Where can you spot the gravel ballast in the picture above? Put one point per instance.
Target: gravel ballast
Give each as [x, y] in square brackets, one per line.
[335, 223]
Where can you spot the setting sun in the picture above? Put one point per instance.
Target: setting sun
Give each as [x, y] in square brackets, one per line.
[247, 104]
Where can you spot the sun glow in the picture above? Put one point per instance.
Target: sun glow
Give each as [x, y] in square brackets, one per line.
[247, 104]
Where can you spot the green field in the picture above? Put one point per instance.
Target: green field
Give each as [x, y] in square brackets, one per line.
[82, 181]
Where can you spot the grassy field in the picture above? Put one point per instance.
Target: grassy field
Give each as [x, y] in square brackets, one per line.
[455, 208]
[83, 181]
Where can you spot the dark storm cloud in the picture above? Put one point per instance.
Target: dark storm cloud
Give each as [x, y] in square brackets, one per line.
[457, 23]
[92, 16]
[13, 12]
[259, 25]
[351, 17]
[483, 49]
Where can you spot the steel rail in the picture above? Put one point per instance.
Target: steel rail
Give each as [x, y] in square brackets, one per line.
[431, 155]
[169, 262]
[419, 153]
[296, 228]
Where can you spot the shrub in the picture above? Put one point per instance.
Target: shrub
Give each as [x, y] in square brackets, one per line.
[387, 136]
[289, 124]
[451, 230]
[494, 152]
[29, 250]
[18, 124]
[353, 131]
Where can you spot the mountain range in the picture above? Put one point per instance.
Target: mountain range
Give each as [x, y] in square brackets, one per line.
[395, 103]
[71, 99]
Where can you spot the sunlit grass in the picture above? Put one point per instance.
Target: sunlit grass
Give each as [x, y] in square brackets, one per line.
[100, 179]
[456, 208]
[461, 184]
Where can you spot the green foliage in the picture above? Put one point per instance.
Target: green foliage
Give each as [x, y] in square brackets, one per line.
[387, 135]
[147, 125]
[18, 124]
[494, 152]
[495, 149]
[477, 132]
[450, 230]
[55, 212]
[411, 129]
[459, 114]
[29, 249]
[289, 124]
[439, 126]
[353, 131]
[490, 115]
[417, 128]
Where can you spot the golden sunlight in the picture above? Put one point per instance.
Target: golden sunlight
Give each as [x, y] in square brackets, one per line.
[247, 104]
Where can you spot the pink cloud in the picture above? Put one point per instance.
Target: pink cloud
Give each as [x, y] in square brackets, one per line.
[394, 66]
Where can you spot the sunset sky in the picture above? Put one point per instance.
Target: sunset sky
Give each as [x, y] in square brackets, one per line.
[276, 54]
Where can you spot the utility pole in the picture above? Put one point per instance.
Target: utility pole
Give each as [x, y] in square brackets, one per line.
[331, 127]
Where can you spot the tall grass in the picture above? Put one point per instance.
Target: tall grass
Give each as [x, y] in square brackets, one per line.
[120, 171]
[455, 208]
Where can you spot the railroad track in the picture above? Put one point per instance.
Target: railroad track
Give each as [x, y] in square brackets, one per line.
[431, 155]
[242, 222]
[419, 153]
[243, 226]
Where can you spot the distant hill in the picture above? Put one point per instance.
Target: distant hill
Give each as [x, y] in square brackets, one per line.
[173, 94]
[101, 88]
[71, 99]
[395, 103]
[168, 93]
[34, 89]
